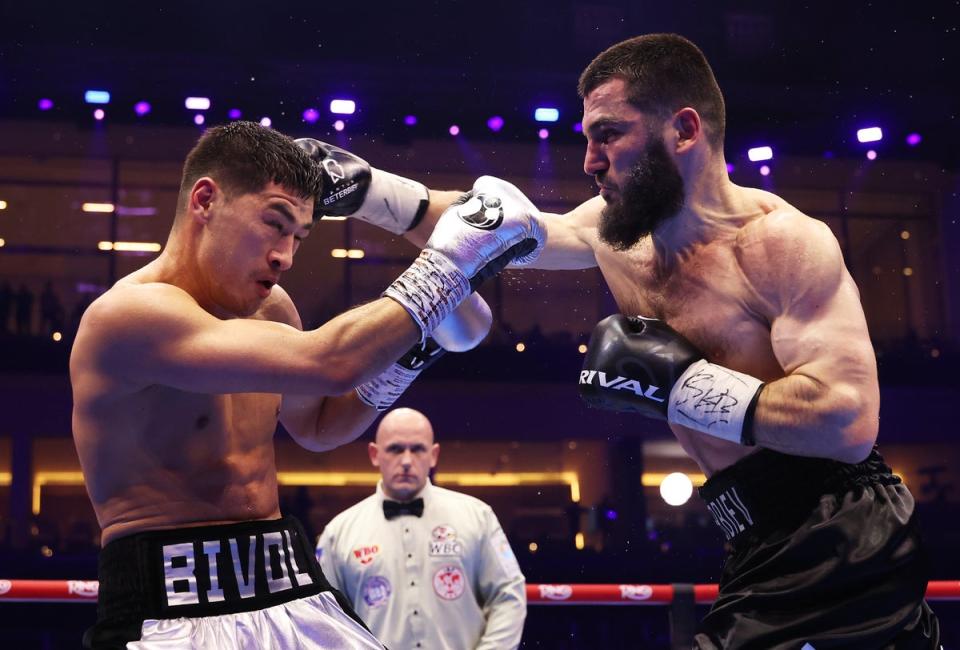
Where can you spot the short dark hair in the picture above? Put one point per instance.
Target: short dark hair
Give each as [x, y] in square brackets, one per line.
[664, 73]
[244, 156]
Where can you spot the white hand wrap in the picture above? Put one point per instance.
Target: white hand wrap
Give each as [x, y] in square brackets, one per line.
[383, 390]
[429, 290]
[715, 400]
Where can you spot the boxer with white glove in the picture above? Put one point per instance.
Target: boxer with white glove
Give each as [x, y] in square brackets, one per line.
[462, 330]
[352, 188]
[476, 237]
[643, 365]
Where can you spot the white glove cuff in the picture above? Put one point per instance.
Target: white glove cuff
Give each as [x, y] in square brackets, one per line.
[716, 401]
[383, 390]
[393, 202]
[429, 290]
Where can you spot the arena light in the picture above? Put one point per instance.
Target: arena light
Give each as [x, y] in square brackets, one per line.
[870, 134]
[543, 134]
[129, 246]
[495, 123]
[45, 104]
[234, 113]
[197, 103]
[311, 115]
[332, 218]
[339, 125]
[339, 253]
[654, 479]
[577, 127]
[3, 205]
[131, 211]
[343, 106]
[454, 130]
[355, 253]
[96, 97]
[410, 120]
[97, 207]
[914, 139]
[871, 155]
[198, 119]
[3, 242]
[521, 347]
[765, 170]
[756, 154]
[57, 337]
[99, 114]
[582, 348]
[141, 108]
[676, 488]
[266, 121]
[546, 114]
[579, 541]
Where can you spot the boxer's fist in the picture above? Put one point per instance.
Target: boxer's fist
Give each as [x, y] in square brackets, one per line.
[474, 239]
[352, 188]
[466, 326]
[632, 364]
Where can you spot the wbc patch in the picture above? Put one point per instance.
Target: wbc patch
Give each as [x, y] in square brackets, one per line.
[443, 541]
[449, 582]
[376, 590]
[365, 554]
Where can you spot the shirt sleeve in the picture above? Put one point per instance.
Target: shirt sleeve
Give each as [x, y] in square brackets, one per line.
[501, 589]
[327, 557]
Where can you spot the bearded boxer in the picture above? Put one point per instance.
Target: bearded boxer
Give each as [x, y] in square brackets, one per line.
[181, 371]
[757, 355]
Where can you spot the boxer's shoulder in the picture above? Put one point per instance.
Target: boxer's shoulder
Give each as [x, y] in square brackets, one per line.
[279, 307]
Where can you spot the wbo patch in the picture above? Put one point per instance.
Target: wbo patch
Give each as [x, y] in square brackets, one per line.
[443, 541]
[449, 582]
[376, 590]
[365, 554]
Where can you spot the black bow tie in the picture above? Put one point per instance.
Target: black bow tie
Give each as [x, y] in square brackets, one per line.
[393, 509]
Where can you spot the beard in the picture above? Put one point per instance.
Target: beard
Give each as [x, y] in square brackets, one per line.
[652, 194]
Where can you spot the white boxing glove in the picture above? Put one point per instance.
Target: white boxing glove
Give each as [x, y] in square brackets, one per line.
[462, 330]
[475, 238]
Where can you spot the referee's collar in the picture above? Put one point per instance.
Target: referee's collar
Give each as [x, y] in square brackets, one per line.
[424, 493]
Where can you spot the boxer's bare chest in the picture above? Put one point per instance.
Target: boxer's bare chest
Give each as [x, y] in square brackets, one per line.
[707, 299]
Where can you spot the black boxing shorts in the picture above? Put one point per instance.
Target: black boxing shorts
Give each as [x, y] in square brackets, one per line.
[823, 555]
[251, 585]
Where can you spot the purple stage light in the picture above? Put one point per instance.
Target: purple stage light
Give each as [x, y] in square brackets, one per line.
[266, 121]
[198, 119]
[611, 515]
[454, 129]
[410, 120]
[730, 168]
[543, 134]
[311, 115]
[577, 127]
[141, 108]
[45, 104]
[339, 125]
[871, 155]
[234, 114]
[495, 123]
[870, 134]
[764, 170]
[99, 114]
[914, 139]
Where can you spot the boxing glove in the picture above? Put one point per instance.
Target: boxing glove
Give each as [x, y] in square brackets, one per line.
[644, 366]
[352, 188]
[477, 236]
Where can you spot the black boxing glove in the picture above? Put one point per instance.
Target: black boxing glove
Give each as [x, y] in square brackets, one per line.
[352, 188]
[644, 366]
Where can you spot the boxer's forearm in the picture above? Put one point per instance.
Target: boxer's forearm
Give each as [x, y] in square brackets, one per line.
[325, 423]
[803, 416]
[440, 200]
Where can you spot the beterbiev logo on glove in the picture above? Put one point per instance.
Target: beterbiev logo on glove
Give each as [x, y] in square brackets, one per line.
[482, 211]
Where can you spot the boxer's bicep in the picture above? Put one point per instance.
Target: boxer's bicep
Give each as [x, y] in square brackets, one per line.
[571, 238]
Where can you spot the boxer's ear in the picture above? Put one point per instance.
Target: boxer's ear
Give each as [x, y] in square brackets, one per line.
[201, 197]
[688, 128]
